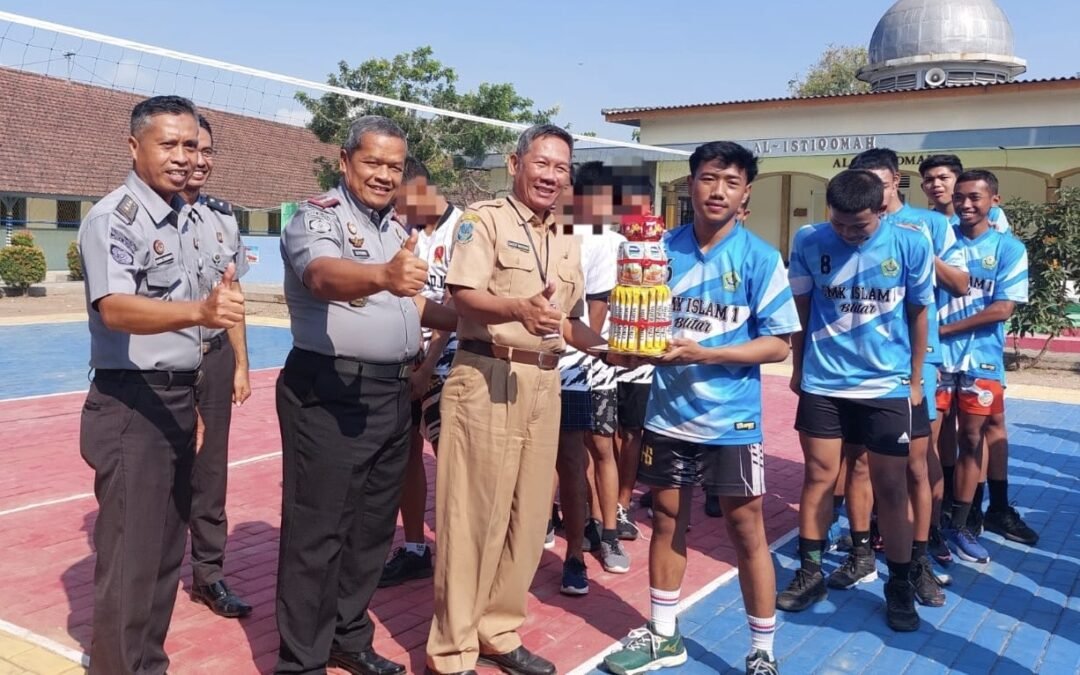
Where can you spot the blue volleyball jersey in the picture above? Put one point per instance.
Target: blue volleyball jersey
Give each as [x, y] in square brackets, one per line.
[998, 265]
[942, 240]
[727, 296]
[857, 343]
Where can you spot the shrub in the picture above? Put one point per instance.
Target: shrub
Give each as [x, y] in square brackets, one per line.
[74, 261]
[22, 264]
[1051, 233]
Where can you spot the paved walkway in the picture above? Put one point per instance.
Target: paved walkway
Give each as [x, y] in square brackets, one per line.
[47, 512]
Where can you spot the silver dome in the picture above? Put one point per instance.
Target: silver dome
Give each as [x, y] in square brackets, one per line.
[913, 28]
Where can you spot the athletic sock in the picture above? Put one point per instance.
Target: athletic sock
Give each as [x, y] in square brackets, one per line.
[949, 473]
[810, 551]
[664, 606]
[899, 570]
[762, 632]
[609, 535]
[860, 542]
[960, 511]
[999, 494]
[918, 549]
[977, 502]
[416, 548]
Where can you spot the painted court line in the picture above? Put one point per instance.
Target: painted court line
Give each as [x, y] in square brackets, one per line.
[592, 663]
[87, 495]
[73, 655]
[88, 380]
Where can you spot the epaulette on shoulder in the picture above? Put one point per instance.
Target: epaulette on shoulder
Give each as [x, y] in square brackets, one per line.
[127, 209]
[488, 204]
[324, 201]
[219, 205]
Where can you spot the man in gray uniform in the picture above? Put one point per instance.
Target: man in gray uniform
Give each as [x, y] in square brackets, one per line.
[224, 381]
[351, 284]
[138, 423]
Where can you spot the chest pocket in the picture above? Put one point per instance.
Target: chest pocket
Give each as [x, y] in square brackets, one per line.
[569, 285]
[162, 280]
[515, 274]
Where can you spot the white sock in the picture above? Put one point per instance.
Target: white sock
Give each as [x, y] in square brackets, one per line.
[415, 548]
[664, 610]
[762, 632]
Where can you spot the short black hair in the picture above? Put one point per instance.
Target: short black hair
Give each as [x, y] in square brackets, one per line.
[728, 154]
[974, 175]
[876, 159]
[159, 105]
[414, 169]
[592, 174]
[538, 131]
[205, 124]
[950, 162]
[855, 191]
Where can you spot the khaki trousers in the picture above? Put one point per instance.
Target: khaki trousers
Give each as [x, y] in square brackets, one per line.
[500, 430]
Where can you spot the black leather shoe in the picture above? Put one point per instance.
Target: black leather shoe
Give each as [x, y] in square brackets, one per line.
[518, 662]
[429, 671]
[366, 662]
[221, 600]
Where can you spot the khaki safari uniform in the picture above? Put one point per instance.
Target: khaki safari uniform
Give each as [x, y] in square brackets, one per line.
[500, 419]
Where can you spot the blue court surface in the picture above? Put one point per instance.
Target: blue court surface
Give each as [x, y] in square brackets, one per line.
[54, 358]
[1018, 614]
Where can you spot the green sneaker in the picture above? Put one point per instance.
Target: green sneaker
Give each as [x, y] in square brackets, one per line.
[644, 650]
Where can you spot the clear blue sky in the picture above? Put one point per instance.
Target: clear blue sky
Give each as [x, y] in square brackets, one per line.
[582, 56]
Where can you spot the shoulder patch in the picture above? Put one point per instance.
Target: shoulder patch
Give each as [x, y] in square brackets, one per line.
[324, 201]
[219, 205]
[318, 222]
[464, 232]
[127, 209]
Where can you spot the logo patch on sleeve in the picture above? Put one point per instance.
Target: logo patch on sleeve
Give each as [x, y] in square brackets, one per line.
[121, 255]
[745, 426]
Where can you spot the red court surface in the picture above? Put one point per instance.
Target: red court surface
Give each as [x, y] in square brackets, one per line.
[46, 568]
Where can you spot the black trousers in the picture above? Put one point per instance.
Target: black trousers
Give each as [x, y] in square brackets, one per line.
[139, 440]
[209, 477]
[345, 445]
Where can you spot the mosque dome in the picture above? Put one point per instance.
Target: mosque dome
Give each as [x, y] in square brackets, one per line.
[932, 43]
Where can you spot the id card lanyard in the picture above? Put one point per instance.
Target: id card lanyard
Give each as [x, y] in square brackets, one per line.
[542, 267]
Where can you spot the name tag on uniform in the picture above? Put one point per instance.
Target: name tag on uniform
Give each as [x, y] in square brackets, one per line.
[519, 246]
[360, 253]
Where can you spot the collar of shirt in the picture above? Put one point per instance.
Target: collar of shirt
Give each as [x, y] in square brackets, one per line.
[377, 220]
[160, 210]
[546, 222]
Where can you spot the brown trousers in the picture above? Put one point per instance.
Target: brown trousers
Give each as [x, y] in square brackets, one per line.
[500, 430]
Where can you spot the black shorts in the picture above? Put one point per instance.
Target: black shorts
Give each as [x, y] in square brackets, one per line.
[726, 470]
[417, 413]
[592, 411]
[884, 425]
[632, 399]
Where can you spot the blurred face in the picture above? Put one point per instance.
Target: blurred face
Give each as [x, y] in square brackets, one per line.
[972, 201]
[164, 152]
[854, 228]
[596, 206]
[892, 187]
[419, 202]
[635, 204]
[373, 170]
[542, 173]
[717, 193]
[938, 185]
[204, 162]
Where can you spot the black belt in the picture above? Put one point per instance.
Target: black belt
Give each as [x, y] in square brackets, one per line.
[356, 367]
[529, 357]
[213, 343]
[153, 378]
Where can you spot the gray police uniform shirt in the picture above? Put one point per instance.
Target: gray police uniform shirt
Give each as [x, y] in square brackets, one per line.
[218, 242]
[133, 242]
[381, 328]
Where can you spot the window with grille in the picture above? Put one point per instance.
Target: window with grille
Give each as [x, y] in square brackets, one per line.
[13, 209]
[243, 219]
[274, 222]
[68, 213]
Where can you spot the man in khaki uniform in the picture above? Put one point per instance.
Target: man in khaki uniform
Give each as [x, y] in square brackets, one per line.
[517, 285]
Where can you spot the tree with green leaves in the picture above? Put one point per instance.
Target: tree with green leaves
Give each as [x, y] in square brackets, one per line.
[1051, 234]
[444, 144]
[833, 74]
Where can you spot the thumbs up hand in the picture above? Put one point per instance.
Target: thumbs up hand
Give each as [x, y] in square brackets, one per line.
[224, 307]
[406, 274]
[539, 314]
